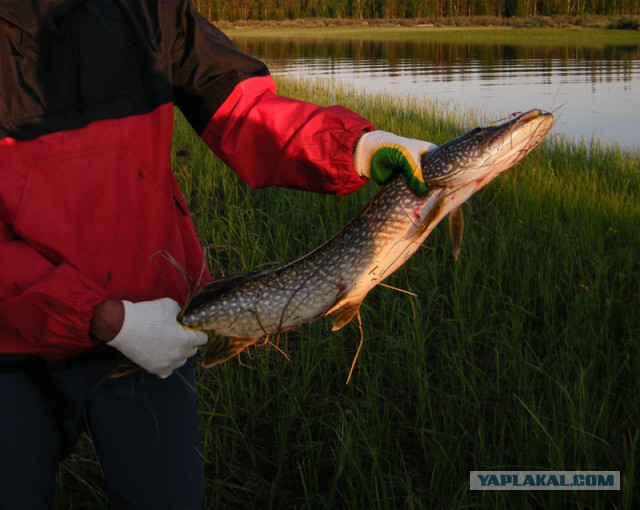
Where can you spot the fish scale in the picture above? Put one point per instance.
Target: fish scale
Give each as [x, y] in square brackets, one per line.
[335, 278]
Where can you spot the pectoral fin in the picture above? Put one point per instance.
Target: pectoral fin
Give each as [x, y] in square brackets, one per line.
[456, 229]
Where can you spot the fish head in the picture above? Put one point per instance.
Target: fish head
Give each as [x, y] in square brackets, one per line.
[458, 169]
[483, 153]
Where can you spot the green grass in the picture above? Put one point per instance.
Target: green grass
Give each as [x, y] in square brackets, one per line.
[575, 37]
[524, 354]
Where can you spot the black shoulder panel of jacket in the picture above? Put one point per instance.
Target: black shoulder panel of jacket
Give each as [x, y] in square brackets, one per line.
[67, 63]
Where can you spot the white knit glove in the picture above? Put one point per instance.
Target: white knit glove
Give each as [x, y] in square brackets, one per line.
[151, 336]
[380, 155]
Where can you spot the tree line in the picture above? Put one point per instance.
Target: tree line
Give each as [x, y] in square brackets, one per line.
[235, 10]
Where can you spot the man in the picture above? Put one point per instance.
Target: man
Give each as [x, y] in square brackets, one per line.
[88, 202]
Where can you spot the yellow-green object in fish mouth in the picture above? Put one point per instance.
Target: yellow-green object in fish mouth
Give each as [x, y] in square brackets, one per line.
[335, 278]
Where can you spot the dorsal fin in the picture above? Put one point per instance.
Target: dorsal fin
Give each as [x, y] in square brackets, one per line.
[213, 289]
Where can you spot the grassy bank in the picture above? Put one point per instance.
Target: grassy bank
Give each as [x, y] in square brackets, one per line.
[524, 354]
[575, 37]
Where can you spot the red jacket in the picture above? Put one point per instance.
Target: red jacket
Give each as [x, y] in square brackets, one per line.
[88, 201]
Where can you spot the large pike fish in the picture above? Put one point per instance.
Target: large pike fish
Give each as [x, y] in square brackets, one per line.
[335, 278]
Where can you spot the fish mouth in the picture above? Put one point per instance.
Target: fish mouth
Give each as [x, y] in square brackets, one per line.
[536, 113]
[526, 131]
[517, 138]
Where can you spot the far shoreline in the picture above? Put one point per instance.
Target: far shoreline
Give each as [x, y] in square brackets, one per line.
[591, 36]
[628, 23]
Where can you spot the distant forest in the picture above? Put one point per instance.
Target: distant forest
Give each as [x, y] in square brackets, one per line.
[234, 10]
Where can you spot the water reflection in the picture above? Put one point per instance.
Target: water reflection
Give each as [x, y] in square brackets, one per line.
[595, 88]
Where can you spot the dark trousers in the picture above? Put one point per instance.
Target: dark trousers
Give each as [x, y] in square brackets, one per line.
[144, 430]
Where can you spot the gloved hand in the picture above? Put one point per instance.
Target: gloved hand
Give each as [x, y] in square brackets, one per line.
[151, 336]
[379, 155]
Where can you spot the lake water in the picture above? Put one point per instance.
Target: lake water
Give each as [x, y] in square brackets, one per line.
[595, 92]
